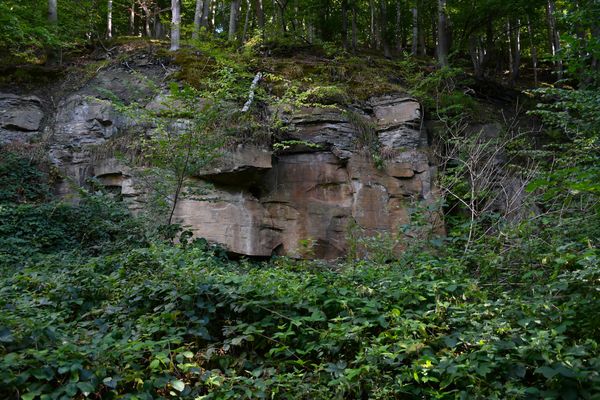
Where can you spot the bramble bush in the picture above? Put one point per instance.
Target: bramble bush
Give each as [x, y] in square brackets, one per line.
[157, 320]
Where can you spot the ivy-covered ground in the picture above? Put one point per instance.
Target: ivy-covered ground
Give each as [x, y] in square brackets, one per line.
[94, 305]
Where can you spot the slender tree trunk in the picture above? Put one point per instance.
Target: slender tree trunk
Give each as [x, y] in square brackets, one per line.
[260, 14]
[442, 29]
[212, 13]
[132, 19]
[383, 31]
[281, 6]
[422, 46]
[511, 39]
[175, 24]
[554, 36]
[158, 26]
[516, 50]
[197, 18]
[489, 48]
[534, 57]
[354, 30]
[147, 18]
[398, 29]
[247, 20]
[345, 24]
[233, 19]
[476, 53]
[373, 35]
[109, 19]
[295, 16]
[204, 19]
[52, 12]
[415, 30]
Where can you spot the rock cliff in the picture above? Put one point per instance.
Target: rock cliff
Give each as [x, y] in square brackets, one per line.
[262, 201]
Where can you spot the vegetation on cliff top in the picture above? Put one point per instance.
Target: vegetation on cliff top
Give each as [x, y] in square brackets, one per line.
[96, 303]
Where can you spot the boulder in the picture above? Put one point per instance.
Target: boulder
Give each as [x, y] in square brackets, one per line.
[20, 117]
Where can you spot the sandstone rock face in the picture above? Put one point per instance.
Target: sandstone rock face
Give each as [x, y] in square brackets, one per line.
[369, 167]
[20, 117]
[301, 204]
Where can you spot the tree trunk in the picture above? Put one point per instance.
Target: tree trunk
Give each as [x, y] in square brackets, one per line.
[511, 40]
[442, 29]
[415, 29]
[197, 18]
[132, 19]
[373, 35]
[477, 54]
[109, 19]
[282, 5]
[354, 30]
[422, 47]
[516, 50]
[52, 12]
[233, 19]
[383, 31]
[205, 13]
[534, 57]
[260, 14]
[554, 37]
[247, 20]
[147, 18]
[345, 24]
[175, 24]
[398, 29]
[158, 26]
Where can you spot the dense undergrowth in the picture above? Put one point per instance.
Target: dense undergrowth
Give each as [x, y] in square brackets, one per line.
[91, 308]
[94, 303]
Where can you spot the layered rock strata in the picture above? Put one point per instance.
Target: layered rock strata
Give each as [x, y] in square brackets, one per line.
[299, 202]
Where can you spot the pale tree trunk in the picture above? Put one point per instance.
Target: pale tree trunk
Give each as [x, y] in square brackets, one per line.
[205, 14]
[109, 19]
[373, 35]
[398, 26]
[197, 18]
[52, 12]
[247, 20]
[158, 26]
[554, 36]
[52, 56]
[422, 48]
[534, 57]
[213, 14]
[175, 24]
[442, 48]
[515, 50]
[295, 16]
[345, 24]
[233, 18]
[477, 55]
[260, 15]
[354, 30]
[511, 40]
[132, 19]
[147, 23]
[383, 33]
[415, 30]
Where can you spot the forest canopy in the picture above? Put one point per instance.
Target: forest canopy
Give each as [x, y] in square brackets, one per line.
[549, 38]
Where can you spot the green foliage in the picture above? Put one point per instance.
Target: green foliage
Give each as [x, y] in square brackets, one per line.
[163, 321]
[21, 180]
[92, 309]
[97, 224]
[573, 114]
